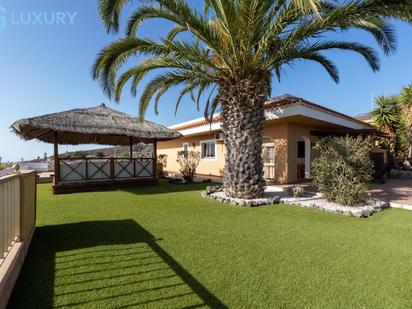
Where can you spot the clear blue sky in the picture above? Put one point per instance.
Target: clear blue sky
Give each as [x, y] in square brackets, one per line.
[46, 68]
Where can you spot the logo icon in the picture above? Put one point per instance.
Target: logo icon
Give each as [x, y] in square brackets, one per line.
[3, 18]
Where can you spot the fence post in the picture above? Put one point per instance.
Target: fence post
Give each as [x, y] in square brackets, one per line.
[154, 169]
[17, 208]
[111, 167]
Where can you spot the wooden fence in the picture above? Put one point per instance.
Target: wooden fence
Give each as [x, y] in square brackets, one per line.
[9, 213]
[75, 170]
[17, 223]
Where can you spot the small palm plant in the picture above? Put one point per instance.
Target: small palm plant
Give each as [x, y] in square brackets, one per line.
[228, 54]
[387, 116]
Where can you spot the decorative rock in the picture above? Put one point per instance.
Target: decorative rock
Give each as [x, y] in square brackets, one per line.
[347, 213]
[314, 201]
[365, 213]
[275, 200]
[357, 213]
[385, 205]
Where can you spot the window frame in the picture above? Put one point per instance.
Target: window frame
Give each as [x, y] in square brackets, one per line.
[269, 142]
[187, 151]
[209, 141]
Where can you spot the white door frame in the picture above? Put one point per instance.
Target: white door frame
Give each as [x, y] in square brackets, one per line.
[308, 151]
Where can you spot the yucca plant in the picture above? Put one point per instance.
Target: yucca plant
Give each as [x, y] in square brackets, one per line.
[388, 117]
[228, 53]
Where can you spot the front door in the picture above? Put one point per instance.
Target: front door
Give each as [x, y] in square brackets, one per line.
[268, 156]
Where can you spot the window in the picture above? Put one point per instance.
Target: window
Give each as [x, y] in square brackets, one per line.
[268, 154]
[268, 150]
[186, 149]
[208, 150]
[301, 150]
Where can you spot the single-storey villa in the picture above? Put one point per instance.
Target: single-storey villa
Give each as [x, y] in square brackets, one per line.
[292, 125]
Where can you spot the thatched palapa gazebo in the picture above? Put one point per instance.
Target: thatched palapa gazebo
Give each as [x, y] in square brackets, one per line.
[96, 125]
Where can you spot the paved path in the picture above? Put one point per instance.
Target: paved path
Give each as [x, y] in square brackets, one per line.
[395, 191]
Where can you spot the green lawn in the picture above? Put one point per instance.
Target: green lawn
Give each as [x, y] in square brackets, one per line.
[166, 246]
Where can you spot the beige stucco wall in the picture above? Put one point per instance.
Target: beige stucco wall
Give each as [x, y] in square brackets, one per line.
[206, 166]
[285, 137]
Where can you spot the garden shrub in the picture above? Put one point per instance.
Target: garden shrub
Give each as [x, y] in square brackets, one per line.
[296, 190]
[161, 164]
[343, 169]
[188, 162]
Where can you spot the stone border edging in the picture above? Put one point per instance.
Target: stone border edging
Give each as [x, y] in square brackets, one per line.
[216, 193]
[313, 202]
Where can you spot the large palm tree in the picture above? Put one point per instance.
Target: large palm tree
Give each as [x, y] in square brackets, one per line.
[387, 116]
[231, 50]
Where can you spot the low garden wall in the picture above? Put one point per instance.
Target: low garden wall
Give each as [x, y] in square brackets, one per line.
[401, 174]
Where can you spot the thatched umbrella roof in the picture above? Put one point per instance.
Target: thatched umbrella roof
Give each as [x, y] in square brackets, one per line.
[96, 125]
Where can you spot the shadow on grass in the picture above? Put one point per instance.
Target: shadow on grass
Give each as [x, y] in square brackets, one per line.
[165, 187]
[104, 264]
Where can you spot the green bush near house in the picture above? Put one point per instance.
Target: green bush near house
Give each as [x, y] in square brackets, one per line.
[188, 162]
[161, 164]
[343, 169]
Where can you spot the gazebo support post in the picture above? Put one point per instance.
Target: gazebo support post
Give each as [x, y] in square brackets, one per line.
[131, 147]
[56, 158]
[155, 158]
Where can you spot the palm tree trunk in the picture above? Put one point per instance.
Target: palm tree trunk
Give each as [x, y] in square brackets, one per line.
[242, 125]
[392, 149]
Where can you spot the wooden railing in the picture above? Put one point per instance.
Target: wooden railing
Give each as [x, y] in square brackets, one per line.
[9, 213]
[17, 223]
[105, 169]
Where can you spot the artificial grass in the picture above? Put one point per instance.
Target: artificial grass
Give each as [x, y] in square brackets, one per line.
[165, 246]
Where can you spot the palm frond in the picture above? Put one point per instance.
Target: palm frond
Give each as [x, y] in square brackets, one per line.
[234, 39]
[110, 11]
